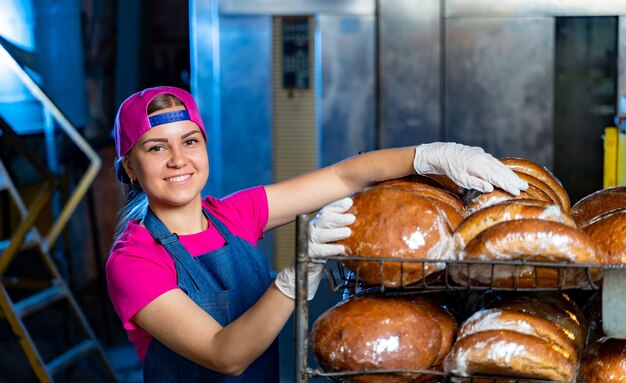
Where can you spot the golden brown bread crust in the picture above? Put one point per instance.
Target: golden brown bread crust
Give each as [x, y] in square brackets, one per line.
[530, 240]
[505, 211]
[608, 231]
[476, 200]
[604, 361]
[411, 179]
[446, 322]
[541, 173]
[539, 184]
[411, 183]
[376, 333]
[509, 353]
[452, 216]
[556, 307]
[502, 319]
[450, 206]
[448, 184]
[598, 203]
[400, 224]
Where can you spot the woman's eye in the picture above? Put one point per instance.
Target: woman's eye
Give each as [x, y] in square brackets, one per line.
[156, 148]
[190, 141]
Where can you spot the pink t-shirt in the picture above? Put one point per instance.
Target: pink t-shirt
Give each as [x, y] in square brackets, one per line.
[139, 269]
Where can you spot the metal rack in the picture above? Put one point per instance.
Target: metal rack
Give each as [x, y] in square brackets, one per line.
[613, 287]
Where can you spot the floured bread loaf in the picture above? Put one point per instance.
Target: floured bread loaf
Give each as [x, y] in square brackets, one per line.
[555, 307]
[476, 200]
[396, 223]
[539, 184]
[502, 319]
[509, 353]
[423, 187]
[604, 361]
[541, 173]
[446, 322]
[506, 211]
[608, 231]
[374, 333]
[534, 240]
[598, 203]
[448, 184]
[448, 203]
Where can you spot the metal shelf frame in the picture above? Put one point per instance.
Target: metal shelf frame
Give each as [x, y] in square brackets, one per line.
[613, 286]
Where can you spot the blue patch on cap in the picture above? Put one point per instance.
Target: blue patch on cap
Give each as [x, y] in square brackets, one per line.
[166, 118]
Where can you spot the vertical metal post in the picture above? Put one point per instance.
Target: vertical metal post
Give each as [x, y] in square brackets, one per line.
[301, 319]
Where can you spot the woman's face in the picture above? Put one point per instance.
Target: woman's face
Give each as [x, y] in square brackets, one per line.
[170, 162]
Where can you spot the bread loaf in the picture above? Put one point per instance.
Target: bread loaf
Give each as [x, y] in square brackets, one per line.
[476, 200]
[598, 203]
[415, 184]
[506, 211]
[400, 224]
[445, 320]
[539, 184]
[448, 184]
[604, 361]
[541, 173]
[509, 353]
[374, 333]
[502, 319]
[608, 231]
[450, 207]
[555, 307]
[534, 240]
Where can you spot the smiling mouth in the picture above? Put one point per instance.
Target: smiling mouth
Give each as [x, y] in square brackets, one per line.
[178, 178]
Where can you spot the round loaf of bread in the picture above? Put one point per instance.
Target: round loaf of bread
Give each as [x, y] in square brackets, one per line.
[604, 361]
[506, 211]
[608, 231]
[376, 333]
[450, 206]
[394, 223]
[539, 184]
[415, 184]
[541, 173]
[555, 307]
[445, 320]
[476, 200]
[451, 215]
[535, 240]
[448, 184]
[502, 319]
[509, 353]
[598, 203]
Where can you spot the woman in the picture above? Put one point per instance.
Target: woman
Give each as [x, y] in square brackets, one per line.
[193, 291]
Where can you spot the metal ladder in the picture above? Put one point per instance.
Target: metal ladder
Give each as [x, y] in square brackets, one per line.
[49, 291]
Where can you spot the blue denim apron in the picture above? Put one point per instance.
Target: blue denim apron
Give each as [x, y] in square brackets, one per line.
[225, 283]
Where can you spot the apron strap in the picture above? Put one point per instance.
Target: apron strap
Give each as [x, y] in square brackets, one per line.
[221, 228]
[170, 241]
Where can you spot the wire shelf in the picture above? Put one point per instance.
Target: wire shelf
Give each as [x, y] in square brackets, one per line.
[436, 376]
[500, 275]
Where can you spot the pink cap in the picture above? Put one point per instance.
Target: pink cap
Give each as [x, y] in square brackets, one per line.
[132, 118]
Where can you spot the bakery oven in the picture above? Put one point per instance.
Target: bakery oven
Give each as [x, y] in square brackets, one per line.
[534, 79]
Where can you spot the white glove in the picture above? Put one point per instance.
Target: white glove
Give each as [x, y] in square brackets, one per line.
[330, 224]
[468, 166]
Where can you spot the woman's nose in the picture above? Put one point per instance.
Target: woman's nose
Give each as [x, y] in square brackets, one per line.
[177, 159]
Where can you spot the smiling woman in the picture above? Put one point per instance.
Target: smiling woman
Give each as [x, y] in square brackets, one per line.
[185, 275]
